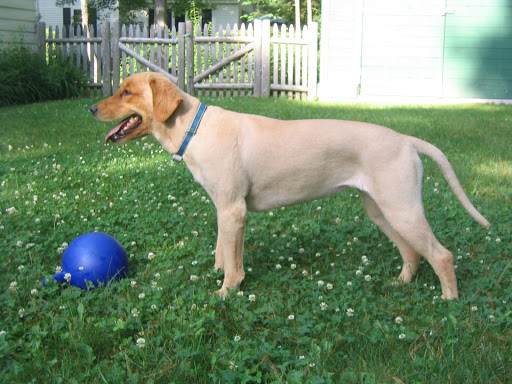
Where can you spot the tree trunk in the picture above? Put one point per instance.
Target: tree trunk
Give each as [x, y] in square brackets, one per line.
[85, 11]
[310, 12]
[297, 14]
[160, 12]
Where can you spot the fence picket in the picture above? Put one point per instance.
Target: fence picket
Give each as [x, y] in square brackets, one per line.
[50, 43]
[291, 34]
[250, 60]
[174, 69]
[298, 57]
[243, 78]
[206, 56]
[305, 48]
[283, 53]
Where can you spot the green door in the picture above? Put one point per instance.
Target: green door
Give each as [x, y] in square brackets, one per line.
[478, 49]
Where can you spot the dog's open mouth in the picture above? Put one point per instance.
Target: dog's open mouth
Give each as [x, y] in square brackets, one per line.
[124, 128]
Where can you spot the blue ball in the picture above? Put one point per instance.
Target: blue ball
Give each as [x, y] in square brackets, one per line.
[93, 258]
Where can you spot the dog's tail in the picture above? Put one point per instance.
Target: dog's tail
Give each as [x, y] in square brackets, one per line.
[446, 168]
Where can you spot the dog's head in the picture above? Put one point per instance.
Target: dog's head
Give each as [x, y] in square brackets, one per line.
[142, 100]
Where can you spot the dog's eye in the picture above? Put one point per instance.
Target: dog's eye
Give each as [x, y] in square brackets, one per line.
[125, 93]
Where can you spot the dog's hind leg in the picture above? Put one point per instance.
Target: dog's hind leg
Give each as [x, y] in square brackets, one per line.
[397, 193]
[411, 259]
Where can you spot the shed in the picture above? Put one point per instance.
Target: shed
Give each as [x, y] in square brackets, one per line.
[415, 48]
[18, 22]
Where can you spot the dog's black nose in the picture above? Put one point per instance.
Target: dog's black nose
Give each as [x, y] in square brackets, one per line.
[93, 109]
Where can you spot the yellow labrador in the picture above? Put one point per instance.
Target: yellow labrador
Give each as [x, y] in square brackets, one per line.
[248, 162]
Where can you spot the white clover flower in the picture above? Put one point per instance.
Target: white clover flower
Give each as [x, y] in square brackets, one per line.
[291, 317]
[249, 269]
[133, 283]
[304, 272]
[401, 336]
[237, 338]
[194, 262]
[320, 283]
[3, 333]
[474, 308]
[194, 278]
[252, 298]
[151, 256]
[21, 267]
[240, 293]
[329, 286]
[492, 318]
[399, 320]
[135, 312]
[157, 275]
[19, 243]
[498, 240]
[359, 272]
[293, 266]
[11, 211]
[349, 283]
[21, 312]
[141, 342]
[142, 295]
[154, 284]
[67, 277]
[153, 307]
[350, 312]
[219, 282]
[13, 285]
[318, 254]
[367, 277]
[232, 365]
[278, 266]
[323, 306]
[301, 250]
[311, 365]
[337, 220]
[302, 357]
[33, 292]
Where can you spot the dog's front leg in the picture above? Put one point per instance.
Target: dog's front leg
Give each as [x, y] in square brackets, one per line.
[230, 244]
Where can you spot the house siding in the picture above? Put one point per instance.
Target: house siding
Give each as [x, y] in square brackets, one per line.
[17, 22]
[52, 14]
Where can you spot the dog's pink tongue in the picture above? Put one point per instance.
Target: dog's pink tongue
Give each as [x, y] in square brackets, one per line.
[113, 131]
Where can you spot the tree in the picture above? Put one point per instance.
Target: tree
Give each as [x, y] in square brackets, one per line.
[283, 9]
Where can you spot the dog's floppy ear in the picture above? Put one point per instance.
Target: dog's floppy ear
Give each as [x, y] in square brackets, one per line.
[166, 98]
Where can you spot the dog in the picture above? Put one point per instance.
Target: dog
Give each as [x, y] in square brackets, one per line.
[253, 163]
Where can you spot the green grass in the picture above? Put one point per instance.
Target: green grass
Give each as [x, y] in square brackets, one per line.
[63, 182]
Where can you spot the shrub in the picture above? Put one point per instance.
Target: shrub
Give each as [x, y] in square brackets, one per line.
[26, 77]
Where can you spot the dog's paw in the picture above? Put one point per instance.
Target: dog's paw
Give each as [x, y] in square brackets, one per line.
[222, 293]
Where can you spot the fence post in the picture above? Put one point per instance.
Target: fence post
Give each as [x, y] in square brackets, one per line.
[181, 55]
[312, 60]
[265, 58]
[189, 27]
[41, 38]
[257, 58]
[105, 58]
[114, 39]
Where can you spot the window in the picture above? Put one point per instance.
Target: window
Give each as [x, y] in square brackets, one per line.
[206, 16]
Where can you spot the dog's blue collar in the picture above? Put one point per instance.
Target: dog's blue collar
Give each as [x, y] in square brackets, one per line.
[178, 156]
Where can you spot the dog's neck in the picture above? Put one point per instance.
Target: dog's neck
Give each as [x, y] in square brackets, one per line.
[171, 134]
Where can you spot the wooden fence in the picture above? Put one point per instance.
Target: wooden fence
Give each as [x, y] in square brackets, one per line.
[254, 59]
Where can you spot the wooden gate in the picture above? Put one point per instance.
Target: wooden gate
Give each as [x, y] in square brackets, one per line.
[227, 61]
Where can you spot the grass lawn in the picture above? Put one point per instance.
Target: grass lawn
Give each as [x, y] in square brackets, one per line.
[326, 307]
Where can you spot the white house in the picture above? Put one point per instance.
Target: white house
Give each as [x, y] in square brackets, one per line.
[17, 22]
[223, 12]
[51, 14]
